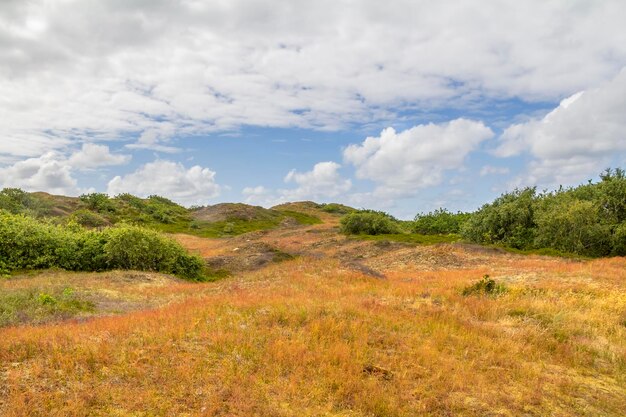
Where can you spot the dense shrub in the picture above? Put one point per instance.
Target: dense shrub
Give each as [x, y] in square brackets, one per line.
[98, 202]
[618, 243]
[586, 220]
[27, 243]
[14, 200]
[571, 225]
[369, 222]
[88, 218]
[439, 222]
[508, 220]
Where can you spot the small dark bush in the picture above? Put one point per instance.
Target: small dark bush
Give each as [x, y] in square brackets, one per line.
[486, 286]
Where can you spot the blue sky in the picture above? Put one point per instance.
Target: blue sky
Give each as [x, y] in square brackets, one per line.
[404, 106]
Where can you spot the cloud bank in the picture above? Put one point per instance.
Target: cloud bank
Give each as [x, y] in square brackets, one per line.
[193, 186]
[146, 73]
[575, 140]
[402, 163]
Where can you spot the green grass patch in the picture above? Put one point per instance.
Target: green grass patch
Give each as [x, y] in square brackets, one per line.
[302, 218]
[231, 227]
[36, 305]
[413, 238]
[540, 251]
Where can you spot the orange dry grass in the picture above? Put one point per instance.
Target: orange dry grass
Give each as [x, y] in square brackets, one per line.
[294, 340]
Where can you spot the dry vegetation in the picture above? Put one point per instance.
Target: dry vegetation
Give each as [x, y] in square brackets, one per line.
[346, 328]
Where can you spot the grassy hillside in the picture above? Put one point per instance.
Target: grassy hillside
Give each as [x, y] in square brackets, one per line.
[306, 320]
[309, 337]
[100, 210]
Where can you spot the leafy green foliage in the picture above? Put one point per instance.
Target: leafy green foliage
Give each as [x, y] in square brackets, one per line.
[571, 225]
[486, 286]
[508, 220]
[369, 222]
[336, 208]
[440, 222]
[88, 218]
[587, 220]
[17, 201]
[27, 243]
[98, 202]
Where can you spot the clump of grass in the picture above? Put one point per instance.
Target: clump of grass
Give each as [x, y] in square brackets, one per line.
[486, 286]
[37, 306]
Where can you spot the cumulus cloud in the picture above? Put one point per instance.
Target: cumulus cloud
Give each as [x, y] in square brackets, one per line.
[93, 156]
[400, 163]
[322, 182]
[195, 185]
[575, 140]
[255, 194]
[53, 171]
[153, 70]
[48, 173]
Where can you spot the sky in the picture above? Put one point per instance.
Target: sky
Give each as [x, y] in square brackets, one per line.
[403, 106]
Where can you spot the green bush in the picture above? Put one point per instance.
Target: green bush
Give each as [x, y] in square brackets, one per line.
[439, 222]
[27, 243]
[570, 225]
[508, 220]
[14, 200]
[88, 218]
[369, 222]
[98, 202]
[585, 220]
[618, 243]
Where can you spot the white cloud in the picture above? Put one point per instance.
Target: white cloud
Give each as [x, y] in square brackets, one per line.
[48, 173]
[574, 141]
[491, 170]
[400, 163]
[322, 182]
[195, 185]
[153, 70]
[95, 156]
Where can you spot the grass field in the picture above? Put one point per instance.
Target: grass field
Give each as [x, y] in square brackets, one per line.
[315, 336]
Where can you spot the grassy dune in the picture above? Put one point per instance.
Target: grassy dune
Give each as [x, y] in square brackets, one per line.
[311, 338]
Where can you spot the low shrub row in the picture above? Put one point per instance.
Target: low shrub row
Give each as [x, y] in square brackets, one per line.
[28, 243]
